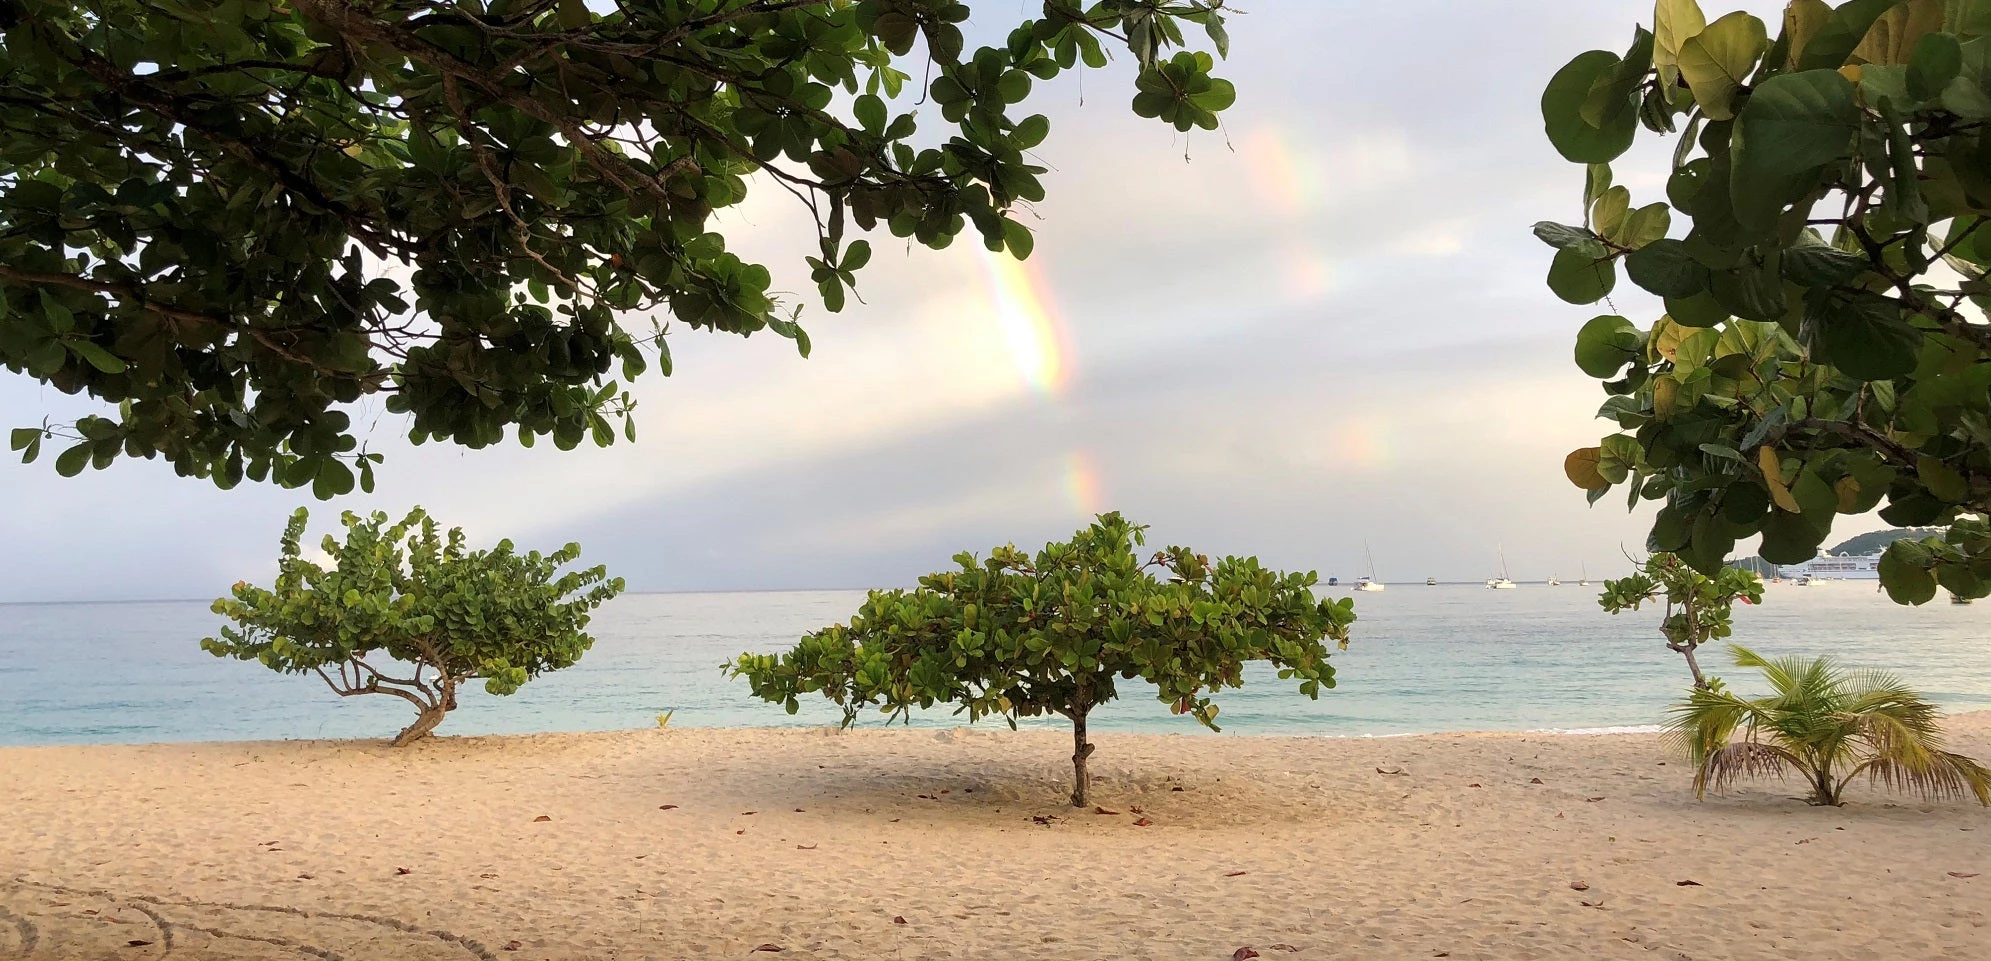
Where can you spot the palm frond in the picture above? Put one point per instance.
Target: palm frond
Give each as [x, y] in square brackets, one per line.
[1942, 776]
[1707, 720]
[1741, 759]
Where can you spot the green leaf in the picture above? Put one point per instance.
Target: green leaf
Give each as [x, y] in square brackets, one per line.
[1905, 574]
[1575, 239]
[1795, 123]
[1663, 267]
[1862, 334]
[95, 356]
[1606, 344]
[1578, 279]
[1717, 60]
[1562, 112]
[71, 462]
[1937, 60]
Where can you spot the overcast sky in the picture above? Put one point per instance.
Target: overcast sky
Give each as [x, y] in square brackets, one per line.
[1325, 327]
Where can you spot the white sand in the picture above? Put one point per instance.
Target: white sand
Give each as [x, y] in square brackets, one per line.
[818, 843]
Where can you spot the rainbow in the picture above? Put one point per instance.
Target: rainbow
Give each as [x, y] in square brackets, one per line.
[1083, 485]
[1039, 344]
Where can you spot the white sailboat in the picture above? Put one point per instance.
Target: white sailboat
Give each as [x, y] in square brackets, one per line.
[1368, 581]
[1585, 582]
[1555, 581]
[1502, 582]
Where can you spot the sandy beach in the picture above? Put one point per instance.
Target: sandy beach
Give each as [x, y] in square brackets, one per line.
[917, 844]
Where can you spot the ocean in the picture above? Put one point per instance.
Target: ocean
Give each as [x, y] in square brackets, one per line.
[1423, 659]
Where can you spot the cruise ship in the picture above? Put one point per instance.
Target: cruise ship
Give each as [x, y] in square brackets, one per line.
[1835, 567]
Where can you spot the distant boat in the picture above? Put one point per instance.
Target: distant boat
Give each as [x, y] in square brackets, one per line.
[1368, 582]
[1502, 582]
[1430, 582]
[1958, 599]
[1334, 582]
[1803, 580]
[1555, 581]
[1585, 582]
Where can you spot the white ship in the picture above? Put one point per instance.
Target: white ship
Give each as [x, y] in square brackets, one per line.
[1835, 567]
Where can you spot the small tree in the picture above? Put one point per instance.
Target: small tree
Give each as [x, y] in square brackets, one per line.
[1021, 637]
[1698, 607]
[400, 601]
[1819, 722]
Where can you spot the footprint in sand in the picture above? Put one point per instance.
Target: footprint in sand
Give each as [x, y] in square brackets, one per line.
[48, 921]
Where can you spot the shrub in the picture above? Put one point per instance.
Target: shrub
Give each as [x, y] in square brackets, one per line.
[1017, 636]
[404, 613]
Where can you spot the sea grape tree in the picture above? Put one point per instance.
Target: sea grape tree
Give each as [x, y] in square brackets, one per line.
[1019, 636]
[231, 220]
[1823, 348]
[1699, 608]
[403, 612]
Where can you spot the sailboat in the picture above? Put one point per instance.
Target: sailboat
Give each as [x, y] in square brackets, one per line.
[1502, 582]
[1585, 582]
[1368, 582]
[1555, 581]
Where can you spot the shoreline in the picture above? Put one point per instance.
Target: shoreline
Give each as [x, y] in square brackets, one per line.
[953, 844]
[1969, 717]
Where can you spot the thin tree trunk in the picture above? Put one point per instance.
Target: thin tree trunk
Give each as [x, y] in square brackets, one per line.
[420, 729]
[1700, 680]
[1081, 779]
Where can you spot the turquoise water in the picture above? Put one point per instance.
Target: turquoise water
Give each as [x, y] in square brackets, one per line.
[1447, 658]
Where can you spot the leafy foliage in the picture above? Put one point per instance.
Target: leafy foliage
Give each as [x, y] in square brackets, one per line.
[1015, 636]
[1823, 347]
[1821, 721]
[1698, 608]
[402, 599]
[234, 219]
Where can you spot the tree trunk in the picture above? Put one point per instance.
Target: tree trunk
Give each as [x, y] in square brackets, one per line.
[1700, 680]
[1081, 779]
[420, 729]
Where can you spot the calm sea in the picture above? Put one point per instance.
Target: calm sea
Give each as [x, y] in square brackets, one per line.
[1448, 658]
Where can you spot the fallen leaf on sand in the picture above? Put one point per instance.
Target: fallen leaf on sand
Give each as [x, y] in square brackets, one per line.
[404, 870]
[1136, 809]
[135, 943]
[805, 847]
[1100, 810]
[899, 919]
[926, 797]
[1143, 822]
[306, 877]
[1235, 874]
[1044, 819]
[1591, 904]
[768, 947]
[741, 831]
[1472, 785]
[1176, 790]
[1593, 800]
[514, 945]
[543, 817]
[487, 875]
[1243, 953]
[1395, 771]
[1578, 886]
[747, 813]
[798, 810]
[1284, 947]
[1534, 780]
[1687, 884]
[666, 807]
[1960, 874]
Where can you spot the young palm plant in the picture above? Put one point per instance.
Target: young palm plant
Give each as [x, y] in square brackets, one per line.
[1826, 725]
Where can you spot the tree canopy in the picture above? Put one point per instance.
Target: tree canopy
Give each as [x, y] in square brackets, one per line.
[1016, 636]
[1823, 347]
[400, 602]
[235, 219]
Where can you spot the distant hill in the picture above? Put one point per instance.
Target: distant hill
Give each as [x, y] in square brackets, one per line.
[1878, 540]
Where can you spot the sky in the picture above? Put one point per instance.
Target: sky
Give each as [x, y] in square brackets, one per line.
[1322, 328]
